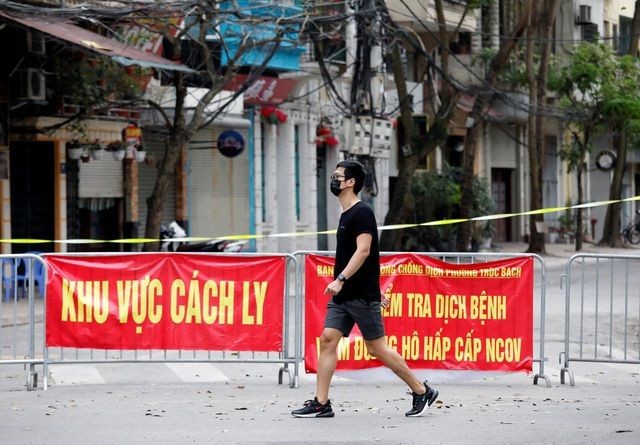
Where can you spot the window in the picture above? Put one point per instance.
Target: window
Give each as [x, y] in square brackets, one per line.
[462, 45]
[624, 35]
[589, 32]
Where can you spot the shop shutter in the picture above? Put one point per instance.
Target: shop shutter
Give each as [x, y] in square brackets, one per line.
[100, 178]
[219, 186]
[147, 175]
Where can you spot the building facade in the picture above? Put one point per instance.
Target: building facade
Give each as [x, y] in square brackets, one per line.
[291, 132]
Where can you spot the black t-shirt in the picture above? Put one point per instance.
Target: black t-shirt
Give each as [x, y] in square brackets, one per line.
[365, 283]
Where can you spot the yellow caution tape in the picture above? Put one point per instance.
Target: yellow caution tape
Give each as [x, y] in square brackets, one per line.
[496, 216]
[442, 222]
[324, 232]
[24, 241]
[80, 241]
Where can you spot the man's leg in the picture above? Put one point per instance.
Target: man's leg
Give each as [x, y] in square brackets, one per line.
[327, 362]
[394, 362]
[423, 395]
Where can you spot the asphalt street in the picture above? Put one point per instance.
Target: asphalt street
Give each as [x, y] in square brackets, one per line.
[244, 404]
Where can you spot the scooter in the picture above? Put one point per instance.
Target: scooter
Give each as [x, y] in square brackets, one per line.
[631, 233]
[175, 230]
[167, 234]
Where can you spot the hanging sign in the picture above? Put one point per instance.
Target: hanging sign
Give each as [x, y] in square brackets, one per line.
[132, 136]
[230, 143]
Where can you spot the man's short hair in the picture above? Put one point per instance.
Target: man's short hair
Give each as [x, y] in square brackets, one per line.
[354, 169]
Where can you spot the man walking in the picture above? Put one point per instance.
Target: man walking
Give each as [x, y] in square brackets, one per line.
[356, 297]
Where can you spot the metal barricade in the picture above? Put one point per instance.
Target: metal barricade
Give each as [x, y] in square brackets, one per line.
[287, 357]
[540, 284]
[22, 313]
[602, 311]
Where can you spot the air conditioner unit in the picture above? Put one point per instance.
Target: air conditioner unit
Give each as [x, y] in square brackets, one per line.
[30, 84]
[35, 43]
[584, 14]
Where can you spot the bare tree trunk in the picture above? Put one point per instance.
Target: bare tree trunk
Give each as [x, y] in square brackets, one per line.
[536, 238]
[579, 228]
[402, 203]
[481, 103]
[177, 141]
[611, 231]
[155, 203]
[180, 131]
[537, 147]
[612, 221]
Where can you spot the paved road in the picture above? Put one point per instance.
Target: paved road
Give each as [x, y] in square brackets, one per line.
[243, 404]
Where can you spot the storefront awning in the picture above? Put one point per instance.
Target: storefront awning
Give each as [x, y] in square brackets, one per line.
[466, 102]
[264, 90]
[120, 52]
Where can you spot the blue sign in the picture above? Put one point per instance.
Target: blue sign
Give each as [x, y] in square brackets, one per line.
[230, 143]
[262, 34]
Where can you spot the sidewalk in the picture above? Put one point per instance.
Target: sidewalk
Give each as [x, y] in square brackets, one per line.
[17, 311]
[558, 254]
[250, 408]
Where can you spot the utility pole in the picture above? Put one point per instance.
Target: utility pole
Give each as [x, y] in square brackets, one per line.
[368, 132]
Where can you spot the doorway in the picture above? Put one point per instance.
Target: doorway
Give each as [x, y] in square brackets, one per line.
[501, 181]
[32, 198]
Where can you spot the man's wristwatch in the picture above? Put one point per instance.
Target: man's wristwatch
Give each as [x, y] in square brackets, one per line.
[342, 278]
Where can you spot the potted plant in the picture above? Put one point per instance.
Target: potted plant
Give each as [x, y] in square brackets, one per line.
[86, 155]
[482, 235]
[486, 231]
[273, 115]
[566, 230]
[325, 137]
[76, 146]
[96, 150]
[117, 149]
[140, 153]
[74, 149]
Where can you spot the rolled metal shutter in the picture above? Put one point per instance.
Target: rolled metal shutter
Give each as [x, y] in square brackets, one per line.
[218, 186]
[100, 178]
[147, 175]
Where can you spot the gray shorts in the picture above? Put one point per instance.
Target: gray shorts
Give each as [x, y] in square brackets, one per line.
[366, 314]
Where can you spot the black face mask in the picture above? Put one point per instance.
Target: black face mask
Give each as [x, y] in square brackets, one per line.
[334, 185]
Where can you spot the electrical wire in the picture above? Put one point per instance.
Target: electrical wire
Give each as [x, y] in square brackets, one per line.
[103, 13]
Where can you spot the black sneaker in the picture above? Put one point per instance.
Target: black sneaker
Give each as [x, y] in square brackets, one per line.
[422, 401]
[313, 408]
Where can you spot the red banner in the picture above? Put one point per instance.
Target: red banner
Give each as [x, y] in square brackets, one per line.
[264, 90]
[441, 315]
[163, 301]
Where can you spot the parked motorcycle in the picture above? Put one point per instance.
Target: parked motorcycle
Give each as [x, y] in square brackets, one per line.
[169, 243]
[167, 234]
[631, 233]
